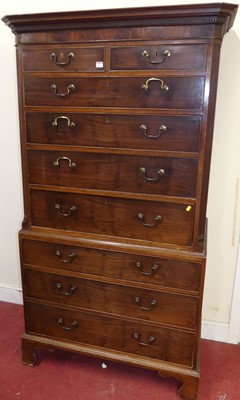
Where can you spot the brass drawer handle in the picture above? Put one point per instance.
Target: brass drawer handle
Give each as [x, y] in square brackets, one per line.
[157, 219]
[62, 56]
[151, 339]
[61, 322]
[63, 260]
[70, 88]
[146, 54]
[61, 290]
[138, 301]
[61, 212]
[69, 123]
[162, 129]
[154, 268]
[160, 172]
[70, 163]
[163, 86]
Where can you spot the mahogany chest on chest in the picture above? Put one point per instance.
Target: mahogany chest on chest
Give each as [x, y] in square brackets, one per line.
[116, 117]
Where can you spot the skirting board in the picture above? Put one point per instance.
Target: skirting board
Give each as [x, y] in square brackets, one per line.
[215, 331]
[210, 330]
[11, 295]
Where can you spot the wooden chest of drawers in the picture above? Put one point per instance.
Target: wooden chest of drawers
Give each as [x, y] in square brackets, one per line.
[117, 113]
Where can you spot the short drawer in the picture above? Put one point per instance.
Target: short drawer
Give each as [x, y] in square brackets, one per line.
[151, 305]
[168, 273]
[111, 130]
[159, 57]
[173, 346]
[153, 175]
[63, 59]
[136, 219]
[142, 92]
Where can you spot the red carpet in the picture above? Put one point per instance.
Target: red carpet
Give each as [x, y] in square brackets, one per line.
[66, 376]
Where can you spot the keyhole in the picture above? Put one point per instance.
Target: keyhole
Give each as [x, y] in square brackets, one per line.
[156, 53]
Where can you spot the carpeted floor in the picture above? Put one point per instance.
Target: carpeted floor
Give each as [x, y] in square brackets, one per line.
[66, 376]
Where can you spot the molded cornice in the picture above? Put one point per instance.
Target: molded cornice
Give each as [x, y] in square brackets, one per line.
[196, 14]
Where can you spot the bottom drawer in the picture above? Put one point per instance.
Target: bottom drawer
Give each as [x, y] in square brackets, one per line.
[165, 344]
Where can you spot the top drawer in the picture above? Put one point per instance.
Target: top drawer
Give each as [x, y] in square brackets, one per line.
[74, 59]
[145, 56]
[159, 57]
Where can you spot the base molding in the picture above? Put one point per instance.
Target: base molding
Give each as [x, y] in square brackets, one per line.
[187, 377]
[210, 330]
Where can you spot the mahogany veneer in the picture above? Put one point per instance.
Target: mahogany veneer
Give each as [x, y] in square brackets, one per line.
[116, 116]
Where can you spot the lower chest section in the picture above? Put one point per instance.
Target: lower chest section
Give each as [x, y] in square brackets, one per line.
[126, 302]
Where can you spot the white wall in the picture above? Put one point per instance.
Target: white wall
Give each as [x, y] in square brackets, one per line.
[224, 193]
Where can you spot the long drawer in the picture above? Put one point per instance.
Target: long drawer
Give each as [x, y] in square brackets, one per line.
[142, 92]
[137, 219]
[173, 346]
[163, 272]
[154, 175]
[151, 305]
[152, 132]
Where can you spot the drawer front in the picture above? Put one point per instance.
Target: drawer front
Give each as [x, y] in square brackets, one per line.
[151, 305]
[118, 131]
[146, 220]
[159, 57]
[64, 59]
[167, 273]
[182, 93]
[154, 175]
[169, 345]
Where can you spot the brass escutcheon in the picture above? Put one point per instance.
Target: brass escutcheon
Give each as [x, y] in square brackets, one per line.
[163, 86]
[146, 55]
[62, 56]
[63, 117]
[70, 88]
